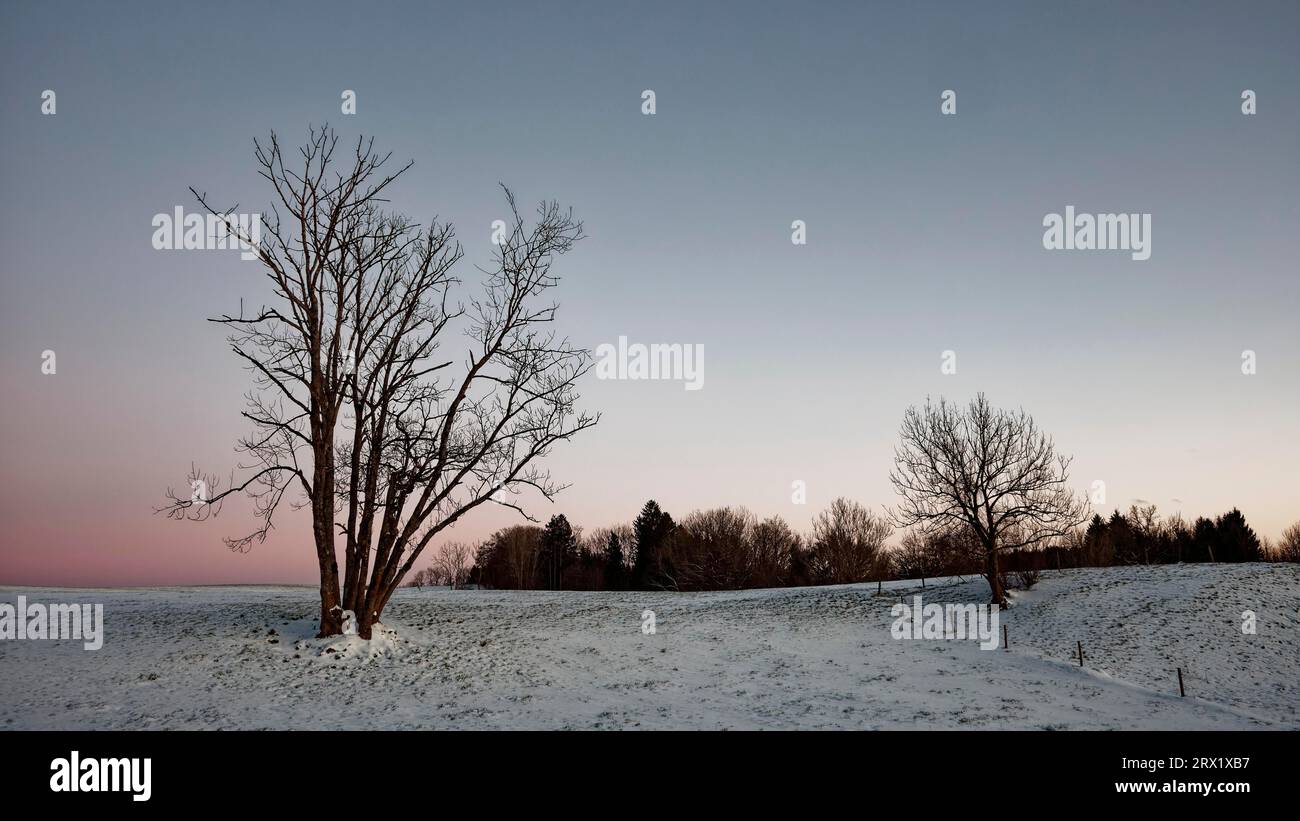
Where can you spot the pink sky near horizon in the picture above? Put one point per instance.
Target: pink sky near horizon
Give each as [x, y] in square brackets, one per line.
[79, 504]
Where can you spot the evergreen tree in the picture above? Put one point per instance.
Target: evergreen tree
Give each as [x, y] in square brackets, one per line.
[1236, 540]
[1096, 543]
[557, 550]
[1122, 540]
[651, 528]
[615, 570]
[1204, 537]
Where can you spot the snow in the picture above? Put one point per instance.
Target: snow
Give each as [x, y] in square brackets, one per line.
[246, 657]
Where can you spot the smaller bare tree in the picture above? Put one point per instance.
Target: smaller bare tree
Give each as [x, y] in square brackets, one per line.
[988, 470]
[914, 555]
[1288, 549]
[772, 543]
[519, 546]
[848, 543]
[452, 562]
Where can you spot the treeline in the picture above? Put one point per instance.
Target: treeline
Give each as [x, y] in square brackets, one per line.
[729, 548]
[721, 549]
[1139, 536]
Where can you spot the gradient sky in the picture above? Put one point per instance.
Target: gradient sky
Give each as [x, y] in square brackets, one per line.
[924, 234]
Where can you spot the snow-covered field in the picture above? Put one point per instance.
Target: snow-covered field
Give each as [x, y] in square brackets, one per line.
[789, 658]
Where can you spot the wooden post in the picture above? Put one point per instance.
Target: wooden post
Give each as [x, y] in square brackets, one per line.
[1005, 645]
[1080, 654]
[878, 585]
[1181, 691]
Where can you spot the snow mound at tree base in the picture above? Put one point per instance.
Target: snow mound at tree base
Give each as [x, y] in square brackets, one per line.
[383, 643]
[301, 642]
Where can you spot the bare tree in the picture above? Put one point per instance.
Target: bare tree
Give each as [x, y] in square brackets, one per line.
[519, 546]
[913, 557]
[1145, 524]
[711, 549]
[772, 543]
[350, 404]
[1288, 548]
[985, 469]
[848, 543]
[420, 578]
[452, 562]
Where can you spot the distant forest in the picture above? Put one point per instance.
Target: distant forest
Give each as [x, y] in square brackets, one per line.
[729, 548]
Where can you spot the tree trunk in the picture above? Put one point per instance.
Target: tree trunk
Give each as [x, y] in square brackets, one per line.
[365, 623]
[999, 596]
[372, 608]
[331, 611]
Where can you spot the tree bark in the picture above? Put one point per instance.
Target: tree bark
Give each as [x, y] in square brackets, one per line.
[365, 623]
[331, 613]
[999, 596]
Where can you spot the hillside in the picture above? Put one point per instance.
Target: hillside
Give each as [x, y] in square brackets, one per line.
[767, 659]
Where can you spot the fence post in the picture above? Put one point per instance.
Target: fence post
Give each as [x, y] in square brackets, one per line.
[1181, 691]
[1005, 645]
[1080, 654]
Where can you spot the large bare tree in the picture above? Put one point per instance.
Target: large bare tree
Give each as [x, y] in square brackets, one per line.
[354, 405]
[990, 471]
